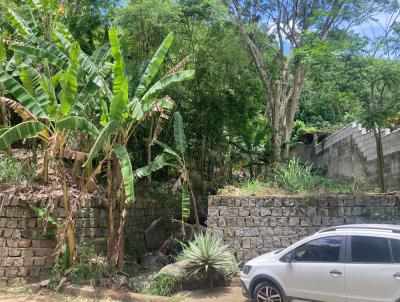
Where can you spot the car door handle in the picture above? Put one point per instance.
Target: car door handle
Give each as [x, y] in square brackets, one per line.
[335, 273]
[397, 276]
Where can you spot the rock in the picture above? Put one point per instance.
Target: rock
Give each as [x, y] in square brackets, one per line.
[157, 233]
[178, 269]
[106, 282]
[154, 261]
[181, 271]
[190, 230]
[140, 282]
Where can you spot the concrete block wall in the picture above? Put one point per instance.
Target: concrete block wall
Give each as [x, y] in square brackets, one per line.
[351, 154]
[256, 225]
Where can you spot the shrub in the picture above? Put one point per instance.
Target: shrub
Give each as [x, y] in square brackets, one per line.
[13, 170]
[164, 285]
[89, 268]
[207, 254]
[294, 177]
[299, 128]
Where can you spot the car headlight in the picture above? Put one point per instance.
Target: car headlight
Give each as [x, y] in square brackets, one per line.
[246, 269]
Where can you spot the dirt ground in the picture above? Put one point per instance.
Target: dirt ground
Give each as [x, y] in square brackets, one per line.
[227, 294]
[232, 294]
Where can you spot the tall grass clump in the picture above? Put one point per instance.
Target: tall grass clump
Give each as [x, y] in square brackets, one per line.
[294, 177]
[14, 171]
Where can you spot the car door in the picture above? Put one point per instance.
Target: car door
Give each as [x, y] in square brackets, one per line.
[315, 272]
[373, 273]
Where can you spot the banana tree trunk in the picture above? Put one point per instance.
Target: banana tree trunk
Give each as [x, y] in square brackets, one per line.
[110, 205]
[4, 118]
[121, 230]
[149, 144]
[194, 203]
[70, 228]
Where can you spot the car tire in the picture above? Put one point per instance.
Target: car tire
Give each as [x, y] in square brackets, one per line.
[267, 292]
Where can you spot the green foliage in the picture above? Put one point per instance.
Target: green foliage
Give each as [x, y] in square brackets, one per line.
[90, 267]
[21, 94]
[294, 177]
[43, 214]
[179, 134]
[14, 171]
[126, 171]
[78, 123]
[23, 130]
[164, 285]
[154, 66]
[299, 128]
[207, 253]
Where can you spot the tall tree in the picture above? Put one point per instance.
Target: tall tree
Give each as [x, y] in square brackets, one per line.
[281, 36]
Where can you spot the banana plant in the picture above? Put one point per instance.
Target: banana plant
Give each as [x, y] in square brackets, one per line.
[47, 116]
[48, 42]
[175, 158]
[119, 119]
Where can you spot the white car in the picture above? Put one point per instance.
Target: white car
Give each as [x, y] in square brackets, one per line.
[349, 263]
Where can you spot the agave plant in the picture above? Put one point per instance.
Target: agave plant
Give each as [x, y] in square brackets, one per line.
[120, 119]
[207, 254]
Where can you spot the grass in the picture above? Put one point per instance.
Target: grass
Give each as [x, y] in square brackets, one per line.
[163, 285]
[13, 171]
[90, 268]
[294, 177]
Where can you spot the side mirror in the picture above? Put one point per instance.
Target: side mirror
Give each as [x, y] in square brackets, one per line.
[289, 258]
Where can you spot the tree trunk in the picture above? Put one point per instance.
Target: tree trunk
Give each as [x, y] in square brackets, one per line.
[110, 205]
[149, 144]
[194, 203]
[121, 230]
[281, 99]
[380, 159]
[45, 172]
[70, 228]
[4, 118]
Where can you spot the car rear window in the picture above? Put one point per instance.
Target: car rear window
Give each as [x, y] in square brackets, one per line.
[395, 249]
[366, 249]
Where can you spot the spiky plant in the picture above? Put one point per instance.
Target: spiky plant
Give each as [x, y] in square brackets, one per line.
[207, 254]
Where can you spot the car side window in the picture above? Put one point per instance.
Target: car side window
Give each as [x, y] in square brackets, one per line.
[395, 250]
[325, 249]
[366, 249]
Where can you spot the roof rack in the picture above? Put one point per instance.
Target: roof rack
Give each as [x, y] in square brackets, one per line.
[376, 227]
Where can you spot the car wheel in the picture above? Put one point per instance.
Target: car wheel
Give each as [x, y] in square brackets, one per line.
[267, 292]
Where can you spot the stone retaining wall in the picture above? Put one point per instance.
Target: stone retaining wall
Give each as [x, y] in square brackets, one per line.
[25, 256]
[256, 225]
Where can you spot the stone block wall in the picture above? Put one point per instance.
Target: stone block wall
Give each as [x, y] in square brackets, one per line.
[25, 256]
[256, 225]
[140, 215]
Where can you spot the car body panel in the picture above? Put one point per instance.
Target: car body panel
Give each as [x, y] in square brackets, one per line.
[372, 282]
[314, 281]
[303, 281]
